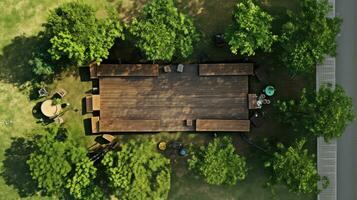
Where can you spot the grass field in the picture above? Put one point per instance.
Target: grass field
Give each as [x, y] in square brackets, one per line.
[16, 120]
[24, 18]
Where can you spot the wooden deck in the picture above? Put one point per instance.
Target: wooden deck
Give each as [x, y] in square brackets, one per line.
[114, 70]
[172, 98]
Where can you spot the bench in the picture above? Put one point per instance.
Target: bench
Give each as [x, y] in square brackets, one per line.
[125, 70]
[92, 103]
[226, 69]
[95, 125]
[123, 125]
[93, 70]
[212, 125]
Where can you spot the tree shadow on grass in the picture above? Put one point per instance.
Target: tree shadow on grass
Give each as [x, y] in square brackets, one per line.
[16, 172]
[15, 60]
[14, 66]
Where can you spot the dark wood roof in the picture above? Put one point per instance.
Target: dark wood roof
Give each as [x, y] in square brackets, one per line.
[222, 125]
[171, 98]
[226, 69]
[113, 70]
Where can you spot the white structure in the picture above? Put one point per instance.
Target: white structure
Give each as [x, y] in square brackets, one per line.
[327, 152]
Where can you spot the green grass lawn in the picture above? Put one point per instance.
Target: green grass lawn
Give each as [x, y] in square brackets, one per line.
[187, 186]
[16, 120]
[19, 17]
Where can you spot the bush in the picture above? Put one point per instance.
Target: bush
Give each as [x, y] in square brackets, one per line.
[218, 163]
[77, 36]
[308, 36]
[251, 29]
[324, 114]
[61, 166]
[294, 167]
[162, 31]
[138, 171]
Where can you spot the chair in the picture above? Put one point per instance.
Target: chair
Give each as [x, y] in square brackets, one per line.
[180, 68]
[62, 92]
[42, 92]
[167, 68]
[189, 122]
[58, 120]
[108, 137]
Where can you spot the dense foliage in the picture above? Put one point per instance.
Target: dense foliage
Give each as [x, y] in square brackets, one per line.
[40, 65]
[308, 36]
[76, 35]
[162, 31]
[138, 171]
[251, 29]
[295, 167]
[60, 166]
[218, 162]
[325, 114]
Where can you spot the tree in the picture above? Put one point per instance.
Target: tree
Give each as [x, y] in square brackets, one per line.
[251, 29]
[138, 171]
[308, 36]
[40, 66]
[58, 165]
[294, 167]
[76, 35]
[325, 114]
[40, 61]
[218, 163]
[162, 31]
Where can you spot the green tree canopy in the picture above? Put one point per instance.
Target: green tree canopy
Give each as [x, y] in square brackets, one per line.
[325, 114]
[40, 61]
[138, 171]
[162, 31]
[61, 166]
[76, 35]
[294, 167]
[251, 29]
[218, 162]
[308, 36]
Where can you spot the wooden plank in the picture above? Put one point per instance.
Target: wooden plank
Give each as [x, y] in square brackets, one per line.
[226, 69]
[96, 102]
[93, 70]
[222, 125]
[89, 106]
[252, 102]
[95, 125]
[123, 70]
[120, 125]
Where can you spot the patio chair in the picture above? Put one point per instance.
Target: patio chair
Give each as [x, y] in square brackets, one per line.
[109, 138]
[42, 92]
[167, 68]
[189, 122]
[62, 92]
[180, 68]
[58, 120]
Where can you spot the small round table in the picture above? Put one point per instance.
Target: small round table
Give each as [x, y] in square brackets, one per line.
[50, 110]
[162, 146]
[269, 90]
